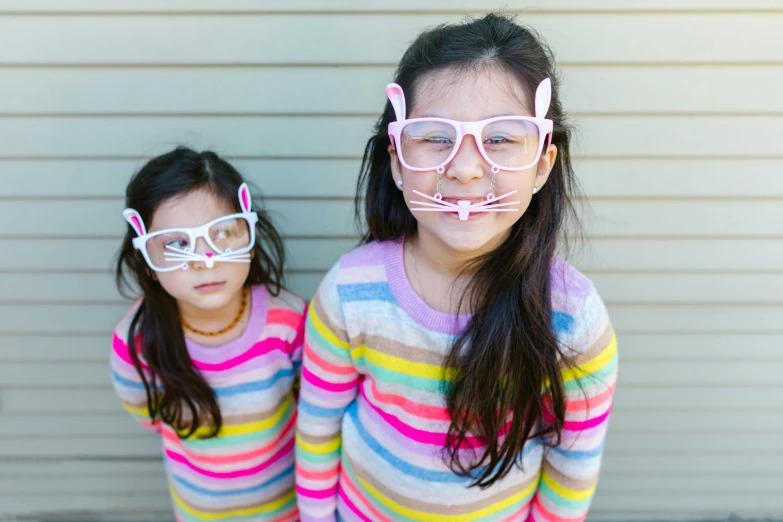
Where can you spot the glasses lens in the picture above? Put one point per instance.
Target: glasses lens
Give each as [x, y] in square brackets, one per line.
[511, 143]
[230, 235]
[166, 250]
[427, 144]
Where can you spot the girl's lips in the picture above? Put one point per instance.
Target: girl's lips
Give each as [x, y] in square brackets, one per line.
[210, 287]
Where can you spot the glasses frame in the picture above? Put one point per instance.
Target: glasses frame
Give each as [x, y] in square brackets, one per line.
[474, 128]
[187, 254]
[193, 233]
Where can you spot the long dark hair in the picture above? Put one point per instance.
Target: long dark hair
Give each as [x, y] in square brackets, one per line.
[177, 393]
[509, 349]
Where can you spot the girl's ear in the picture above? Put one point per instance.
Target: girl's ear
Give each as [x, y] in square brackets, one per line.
[134, 220]
[545, 165]
[245, 200]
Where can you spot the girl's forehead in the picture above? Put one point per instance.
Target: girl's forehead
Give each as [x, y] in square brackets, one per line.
[191, 209]
[469, 95]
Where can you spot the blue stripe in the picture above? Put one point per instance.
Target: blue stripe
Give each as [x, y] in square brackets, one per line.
[255, 489]
[580, 455]
[408, 469]
[365, 292]
[318, 411]
[562, 322]
[125, 382]
[221, 392]
[255, 385]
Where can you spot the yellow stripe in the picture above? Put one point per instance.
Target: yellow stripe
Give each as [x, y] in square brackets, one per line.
[593, 365]
[570, 494]
[144, 412]
[400, 365]
[467, 517]
[319, 449]
[325, 332]
[245, 512]
[248, 427]
[228, 431]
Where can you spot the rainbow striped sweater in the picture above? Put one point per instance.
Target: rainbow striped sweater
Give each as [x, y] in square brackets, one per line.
[372, 417]
[247, 471]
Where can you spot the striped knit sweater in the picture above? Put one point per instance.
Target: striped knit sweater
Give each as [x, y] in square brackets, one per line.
[372, 417]
[247, 471]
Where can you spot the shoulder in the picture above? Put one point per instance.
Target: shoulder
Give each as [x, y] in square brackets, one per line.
[579, 316]
[285, 317]
[287, 301]
[363, 266]
[123, 326]
[356, 277]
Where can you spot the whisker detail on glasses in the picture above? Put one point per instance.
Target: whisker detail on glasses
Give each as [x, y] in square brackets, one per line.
[490, 201]
[493, 209]
[476, 208]
[434, 205]
[431, 198]
[180, 250]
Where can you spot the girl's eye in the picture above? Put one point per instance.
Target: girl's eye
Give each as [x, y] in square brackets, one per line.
[497, 140]
[177, 243]
[440, 140]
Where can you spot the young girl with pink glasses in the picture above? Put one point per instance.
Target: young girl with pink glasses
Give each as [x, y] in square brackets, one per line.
[455, 368]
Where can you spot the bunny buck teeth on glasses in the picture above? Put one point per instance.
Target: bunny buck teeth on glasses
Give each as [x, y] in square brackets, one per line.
[231, 238]
[505, 142]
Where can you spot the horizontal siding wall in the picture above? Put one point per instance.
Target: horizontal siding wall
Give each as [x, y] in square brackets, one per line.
[679, 118]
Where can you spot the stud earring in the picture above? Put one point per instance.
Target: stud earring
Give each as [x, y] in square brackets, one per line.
[399, 183]
[535, 190]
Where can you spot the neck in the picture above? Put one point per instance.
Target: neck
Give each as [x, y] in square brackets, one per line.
[212, 319]
[440, 258]
[439, 271]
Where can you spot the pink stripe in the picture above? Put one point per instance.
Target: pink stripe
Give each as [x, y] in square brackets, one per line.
[422, 436]
[414, 408]
[584, 404]
[313, 379]
[355, 510]
[552, 517]
[347, 480]
[170, 435]
[300, 331]
[319, 494]
[517, 513]
[312, 356]
[579, 425]
[122, 351]
[317, 475]
[285, 317]
[259, 349]
[284, 451]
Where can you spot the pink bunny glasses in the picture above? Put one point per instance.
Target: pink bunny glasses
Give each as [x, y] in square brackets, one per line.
[505, 142]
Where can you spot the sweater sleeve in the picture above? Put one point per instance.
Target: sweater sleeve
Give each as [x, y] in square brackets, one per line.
[297, 351]
[570, 470]
[128, 384]
[329, 384]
